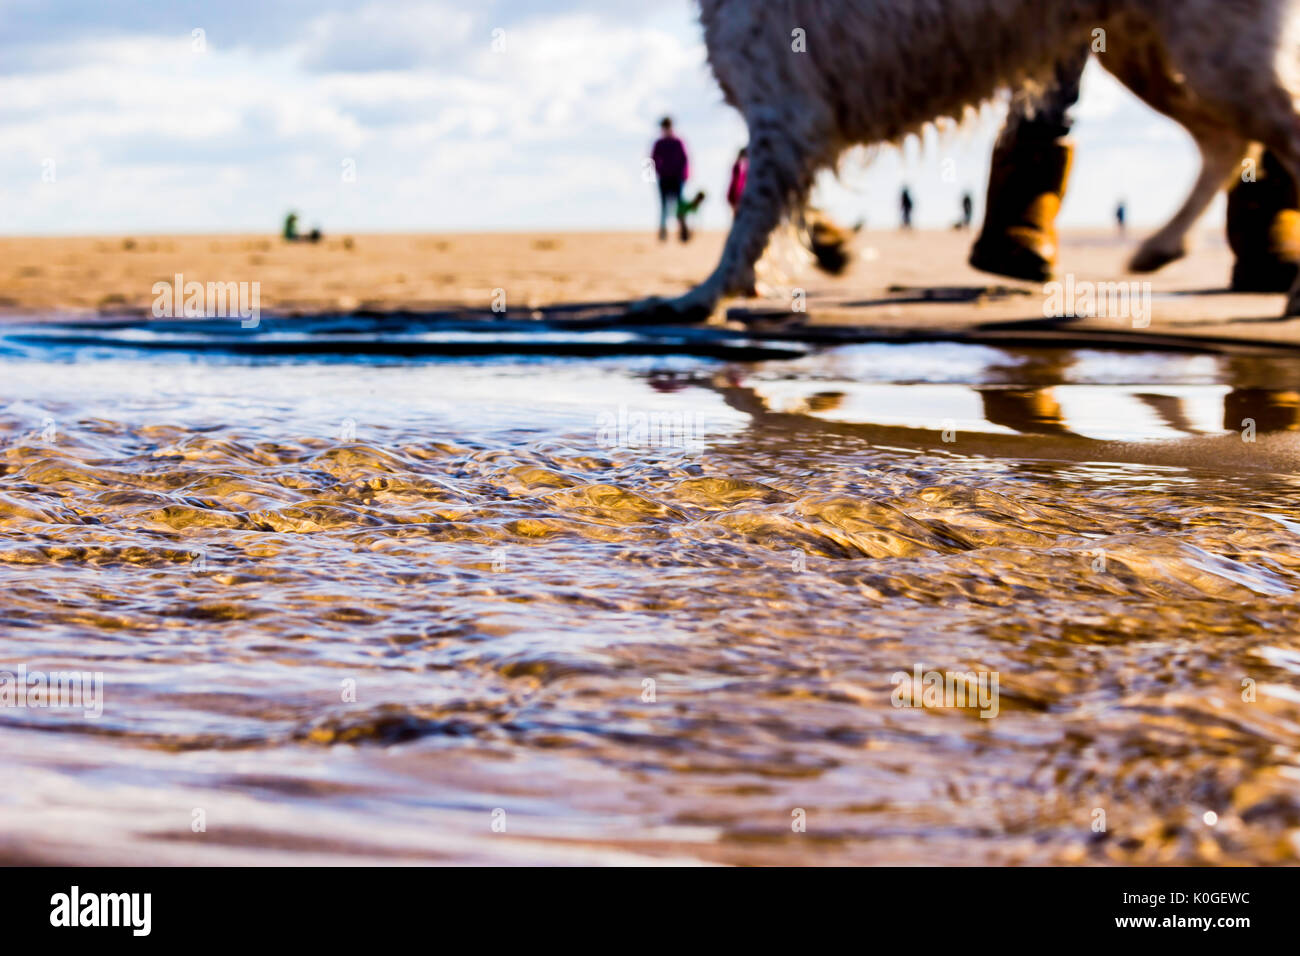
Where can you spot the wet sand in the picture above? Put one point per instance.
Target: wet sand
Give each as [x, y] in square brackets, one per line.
[898, 284]
[381, 272]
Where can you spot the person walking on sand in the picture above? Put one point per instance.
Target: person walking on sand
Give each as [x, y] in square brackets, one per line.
[739, 173]
[291, 233]
[905, 206]
[1121, 218]
[672, 169]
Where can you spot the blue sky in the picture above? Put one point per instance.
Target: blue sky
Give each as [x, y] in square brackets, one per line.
[116, 117]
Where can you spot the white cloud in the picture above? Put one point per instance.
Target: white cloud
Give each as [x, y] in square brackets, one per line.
[146, 134]
[387, 36]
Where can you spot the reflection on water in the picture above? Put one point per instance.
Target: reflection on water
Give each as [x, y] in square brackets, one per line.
[362, 610]
[1053, 392]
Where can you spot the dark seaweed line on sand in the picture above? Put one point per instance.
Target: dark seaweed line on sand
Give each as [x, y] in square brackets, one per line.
[568, 330]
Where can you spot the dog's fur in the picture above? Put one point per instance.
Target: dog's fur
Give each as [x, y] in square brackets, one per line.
[876, 70]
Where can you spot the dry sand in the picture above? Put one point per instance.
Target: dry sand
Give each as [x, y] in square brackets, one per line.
[898, 283]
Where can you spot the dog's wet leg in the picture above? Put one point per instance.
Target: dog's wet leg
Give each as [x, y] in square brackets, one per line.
[783, 158]
[1221, 157]
[1280, 132]
[780, 178]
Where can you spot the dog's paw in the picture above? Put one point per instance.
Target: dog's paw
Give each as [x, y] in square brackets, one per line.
[689, 309]
[829, 244]
[832, 255]
[1151, 258]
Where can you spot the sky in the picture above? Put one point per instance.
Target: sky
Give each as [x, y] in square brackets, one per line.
[166, 116]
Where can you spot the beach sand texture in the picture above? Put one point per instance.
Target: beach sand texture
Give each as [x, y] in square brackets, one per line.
[899, 282]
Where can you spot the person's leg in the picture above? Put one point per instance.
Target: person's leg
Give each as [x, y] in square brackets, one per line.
[1030, 169]
[667, 201]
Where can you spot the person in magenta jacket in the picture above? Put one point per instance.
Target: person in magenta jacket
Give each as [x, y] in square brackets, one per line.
[672, 169]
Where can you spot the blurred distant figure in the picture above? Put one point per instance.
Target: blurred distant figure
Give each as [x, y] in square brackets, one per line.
[672, 168]
[967, 210]
[291, 230]
[1121, 218]
[739, 173]
[906, 206]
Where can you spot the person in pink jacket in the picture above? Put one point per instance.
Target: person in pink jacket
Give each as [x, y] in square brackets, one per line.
[739, 172]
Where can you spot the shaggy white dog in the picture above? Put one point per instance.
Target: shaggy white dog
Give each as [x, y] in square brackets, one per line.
[814, 77]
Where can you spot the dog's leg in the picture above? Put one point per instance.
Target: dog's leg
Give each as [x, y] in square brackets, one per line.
[1276, 122]
[783, 158]
[1221, 156]
[1266, 114]
[1290, 158]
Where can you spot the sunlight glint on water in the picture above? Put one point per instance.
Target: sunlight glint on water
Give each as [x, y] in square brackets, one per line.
[350, 608]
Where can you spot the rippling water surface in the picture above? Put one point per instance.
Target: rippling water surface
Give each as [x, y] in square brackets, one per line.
[441, 610]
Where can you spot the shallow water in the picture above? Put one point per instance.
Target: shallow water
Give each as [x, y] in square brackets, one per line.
[403, 610]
